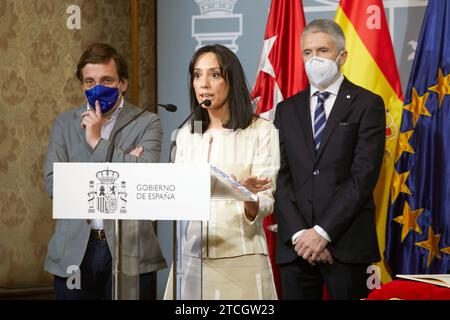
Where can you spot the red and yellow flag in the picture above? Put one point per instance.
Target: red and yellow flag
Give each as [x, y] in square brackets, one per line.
[371, 65]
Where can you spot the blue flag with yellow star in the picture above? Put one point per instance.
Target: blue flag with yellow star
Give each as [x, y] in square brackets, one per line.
[418, 237]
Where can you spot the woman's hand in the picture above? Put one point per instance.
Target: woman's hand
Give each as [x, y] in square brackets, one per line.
[254, 185]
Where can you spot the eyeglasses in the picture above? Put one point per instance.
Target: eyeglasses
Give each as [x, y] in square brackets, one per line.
[107, 82]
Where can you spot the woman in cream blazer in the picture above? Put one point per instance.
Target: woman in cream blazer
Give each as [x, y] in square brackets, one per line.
[229, 252]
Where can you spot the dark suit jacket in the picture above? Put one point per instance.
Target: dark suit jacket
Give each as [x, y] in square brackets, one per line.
[333, 188]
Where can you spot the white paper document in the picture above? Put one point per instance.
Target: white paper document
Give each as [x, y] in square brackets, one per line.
[223, 187]
[437, 279]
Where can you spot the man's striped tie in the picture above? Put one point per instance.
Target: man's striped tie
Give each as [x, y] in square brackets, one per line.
[320, 118]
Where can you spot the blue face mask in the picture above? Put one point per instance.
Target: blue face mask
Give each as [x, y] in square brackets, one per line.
[105, 95]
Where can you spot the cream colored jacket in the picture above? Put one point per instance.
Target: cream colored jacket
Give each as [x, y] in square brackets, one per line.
[252, 151]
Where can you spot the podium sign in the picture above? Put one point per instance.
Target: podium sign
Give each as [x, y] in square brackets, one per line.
[131, 191]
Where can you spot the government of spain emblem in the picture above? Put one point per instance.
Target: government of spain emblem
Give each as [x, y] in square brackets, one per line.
[107, 196]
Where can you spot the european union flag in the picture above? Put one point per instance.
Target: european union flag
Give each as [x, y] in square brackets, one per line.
[417, 235]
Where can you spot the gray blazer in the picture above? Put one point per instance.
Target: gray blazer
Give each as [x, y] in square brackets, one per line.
[68, 144]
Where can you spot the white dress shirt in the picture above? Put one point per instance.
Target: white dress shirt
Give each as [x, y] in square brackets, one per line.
[333, 89]
[107, 127]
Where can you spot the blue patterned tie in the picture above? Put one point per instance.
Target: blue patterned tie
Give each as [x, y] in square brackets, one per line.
[320, 118]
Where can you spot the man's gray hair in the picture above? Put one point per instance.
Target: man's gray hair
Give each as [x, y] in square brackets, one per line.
[329, 27]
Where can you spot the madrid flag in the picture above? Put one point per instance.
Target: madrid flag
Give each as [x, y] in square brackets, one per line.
[371, 64]
[281, 74]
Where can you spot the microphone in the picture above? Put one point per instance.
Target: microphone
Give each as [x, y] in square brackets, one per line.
[169, 107]
[206, 103]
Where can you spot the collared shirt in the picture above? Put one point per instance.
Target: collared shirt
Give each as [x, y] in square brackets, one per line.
[333, 89]
[107, 127]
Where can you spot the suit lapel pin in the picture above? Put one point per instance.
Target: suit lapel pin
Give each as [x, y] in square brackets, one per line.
[348, 96]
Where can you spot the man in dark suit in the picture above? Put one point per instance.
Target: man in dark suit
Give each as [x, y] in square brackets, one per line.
[332, 138]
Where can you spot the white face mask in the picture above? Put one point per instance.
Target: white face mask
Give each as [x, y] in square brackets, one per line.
[321, 71]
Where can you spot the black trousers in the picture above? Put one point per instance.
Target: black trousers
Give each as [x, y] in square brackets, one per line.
[301, 281]
[96, 277]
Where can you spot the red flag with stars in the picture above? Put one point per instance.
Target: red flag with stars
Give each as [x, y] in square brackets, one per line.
[281, 74]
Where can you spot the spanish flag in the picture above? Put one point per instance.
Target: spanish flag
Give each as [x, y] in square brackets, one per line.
[371, 64]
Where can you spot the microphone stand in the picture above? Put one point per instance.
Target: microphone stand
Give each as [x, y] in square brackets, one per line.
[174, 139]
[176, 238]
[205, 102]
[117, 279]
[169, 107]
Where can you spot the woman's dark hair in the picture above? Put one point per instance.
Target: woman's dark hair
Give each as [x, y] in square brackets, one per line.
[102, 53]
[239, 99]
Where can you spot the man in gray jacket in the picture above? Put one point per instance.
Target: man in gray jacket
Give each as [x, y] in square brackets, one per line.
[83, 135]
